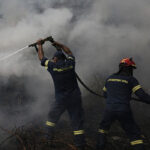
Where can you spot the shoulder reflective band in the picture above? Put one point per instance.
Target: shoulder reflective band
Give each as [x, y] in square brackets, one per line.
[136, 142]
[136, 88]
[62, 69]
[78, 132]
[118, 80]
[104, 89]
[46, 64]
[102, 131]
[51, 124]
[70, 58]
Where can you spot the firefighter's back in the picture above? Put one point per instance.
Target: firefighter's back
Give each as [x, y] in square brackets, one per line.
[119, 90]
[64, 76]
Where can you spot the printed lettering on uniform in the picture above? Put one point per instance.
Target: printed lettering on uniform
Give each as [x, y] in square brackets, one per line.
[62, 69]
[118, 80]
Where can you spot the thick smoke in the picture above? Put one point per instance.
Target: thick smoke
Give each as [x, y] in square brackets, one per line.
[99, 32]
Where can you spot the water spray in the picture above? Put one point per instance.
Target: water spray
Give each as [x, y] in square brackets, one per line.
[31, 45]
[43, 40]
[17, 51]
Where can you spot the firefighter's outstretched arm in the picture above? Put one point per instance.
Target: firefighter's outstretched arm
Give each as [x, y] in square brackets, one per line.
[63, 47]
[143, 95]
[139, 92]
[40, 49]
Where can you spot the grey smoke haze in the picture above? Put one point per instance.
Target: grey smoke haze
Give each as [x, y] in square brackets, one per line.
[99, 32]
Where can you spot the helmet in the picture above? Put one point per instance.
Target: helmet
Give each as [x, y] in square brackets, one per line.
[127, 62]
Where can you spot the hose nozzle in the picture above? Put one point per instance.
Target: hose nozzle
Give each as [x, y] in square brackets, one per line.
[50, 38]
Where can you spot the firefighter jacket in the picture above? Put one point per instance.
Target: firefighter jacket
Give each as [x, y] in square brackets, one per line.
[63, 75]
[118, 90]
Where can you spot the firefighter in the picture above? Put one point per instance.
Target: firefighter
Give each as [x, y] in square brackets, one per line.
[117, 91]
[67, 92]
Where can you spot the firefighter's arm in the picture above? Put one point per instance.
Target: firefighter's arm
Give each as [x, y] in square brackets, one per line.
[139, 92]
[40, 49]
[143, 96]
[63, 47]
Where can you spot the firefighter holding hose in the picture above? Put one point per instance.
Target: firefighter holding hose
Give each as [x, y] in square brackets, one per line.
[117, 91]
[67, 92]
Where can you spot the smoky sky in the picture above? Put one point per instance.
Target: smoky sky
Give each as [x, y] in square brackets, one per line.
[99, 32]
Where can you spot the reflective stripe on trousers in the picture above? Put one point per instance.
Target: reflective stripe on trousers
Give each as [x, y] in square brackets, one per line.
[51, 124]
[78, 132]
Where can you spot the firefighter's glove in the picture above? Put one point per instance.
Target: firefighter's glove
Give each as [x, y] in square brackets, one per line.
[50, 39]
[40, 42]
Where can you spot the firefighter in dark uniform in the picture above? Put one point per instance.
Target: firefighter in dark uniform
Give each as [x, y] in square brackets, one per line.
[117, 91]
[67, 92]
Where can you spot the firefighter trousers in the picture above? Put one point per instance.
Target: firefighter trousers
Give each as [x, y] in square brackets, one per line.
[73, 105]
[128, 124]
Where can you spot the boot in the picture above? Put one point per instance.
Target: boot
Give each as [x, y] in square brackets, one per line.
[139, 147]
[101, 142]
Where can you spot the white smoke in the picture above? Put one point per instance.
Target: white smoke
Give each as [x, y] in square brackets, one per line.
[111, 30]
[21, 24]
[100, 33]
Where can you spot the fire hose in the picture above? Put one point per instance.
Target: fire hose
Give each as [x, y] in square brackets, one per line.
[50, 38]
